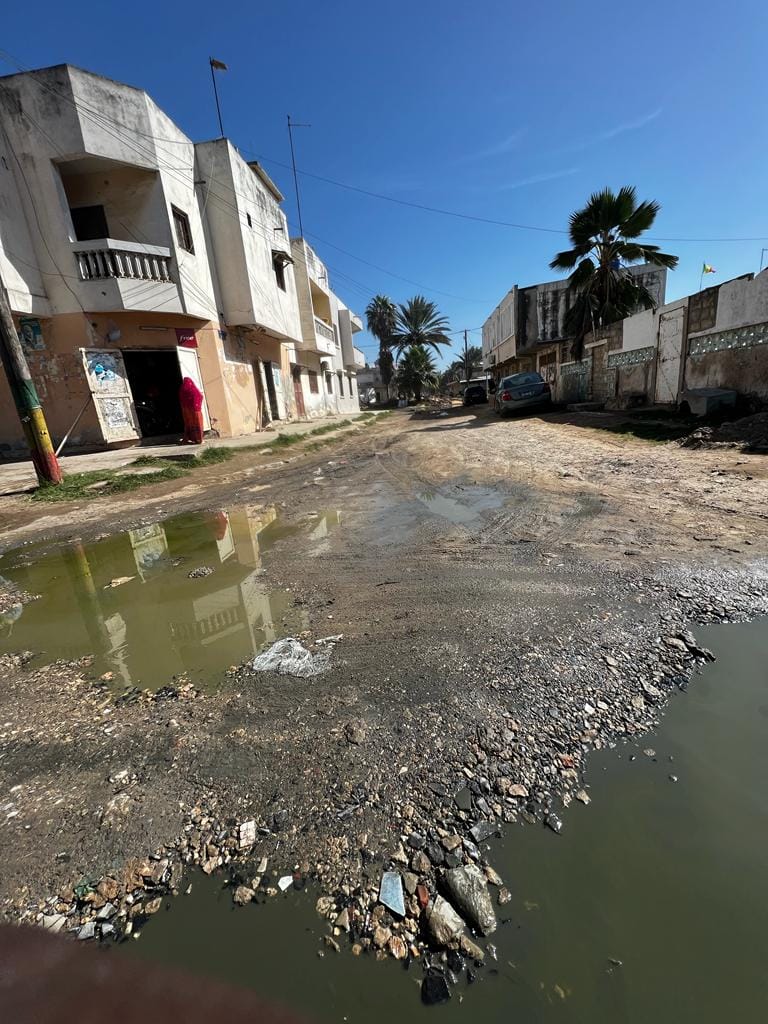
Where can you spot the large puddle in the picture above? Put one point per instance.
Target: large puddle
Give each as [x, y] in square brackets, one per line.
[130, 602]
[650, 907]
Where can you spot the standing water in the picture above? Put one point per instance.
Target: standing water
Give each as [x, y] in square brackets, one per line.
[182, 598]
[650, 907]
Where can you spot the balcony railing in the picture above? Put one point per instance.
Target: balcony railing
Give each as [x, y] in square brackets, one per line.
[105, 258]
[323, 329]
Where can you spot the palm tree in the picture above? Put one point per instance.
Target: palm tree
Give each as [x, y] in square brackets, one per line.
[416, 372]
[380, 315]
[603, 237]
[419, 323]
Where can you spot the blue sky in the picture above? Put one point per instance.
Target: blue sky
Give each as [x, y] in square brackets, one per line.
[488, 109]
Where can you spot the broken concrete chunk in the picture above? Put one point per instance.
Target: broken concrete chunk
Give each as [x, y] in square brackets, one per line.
[247, 834]
[445, 925]
[468, 891]
[289, 658]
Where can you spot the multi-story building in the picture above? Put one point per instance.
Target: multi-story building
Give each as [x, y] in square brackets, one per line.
[134, 257]
[526, 331]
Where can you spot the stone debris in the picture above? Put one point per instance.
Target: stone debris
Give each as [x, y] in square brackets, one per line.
[468, 891]
[247, 835]
[444, 924]
[200, 572]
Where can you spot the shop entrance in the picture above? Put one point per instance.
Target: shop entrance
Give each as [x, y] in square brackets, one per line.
[155, 380]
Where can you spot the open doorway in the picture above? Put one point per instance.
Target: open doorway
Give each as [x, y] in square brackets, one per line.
[155, 379]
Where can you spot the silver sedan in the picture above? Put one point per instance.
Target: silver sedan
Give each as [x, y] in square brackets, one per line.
[521, 391]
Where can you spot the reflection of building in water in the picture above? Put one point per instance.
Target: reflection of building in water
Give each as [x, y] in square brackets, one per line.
[163, 623]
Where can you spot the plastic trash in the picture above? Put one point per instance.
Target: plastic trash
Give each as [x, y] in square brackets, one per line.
[391, 893]
[289, 658]
[285, 882]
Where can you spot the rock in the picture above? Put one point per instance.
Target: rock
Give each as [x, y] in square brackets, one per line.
[444, 924]
[400, 856]
[410, 881]
[504, 896]
[391, 893]
[116, 810]
[88, 930]
[421, 863]
[356, 731]
[468, 892]
[152, 906]
[398, 947]
[434, 989]
[200, 572]
[326, 905]
[463, 799]
[242, 895]
[492, 876]
[676, 644]
[422, 895]
[673, 778]
[342, 921]
[209, 865]
[247, 834]
[332, 943]
[285, 883]
[483, 830]
[435, 854]
[381, 936]
[470, 948]
[107, 911]
[583, 796]
[518, 790]
[554, 822]
[452, 860]
[651, 691]
[416, 841]
[451, 842]
[54, 922]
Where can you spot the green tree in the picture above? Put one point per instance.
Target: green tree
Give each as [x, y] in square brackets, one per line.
[381, 318]
[419, 323]
[603, 237]
[416, 372]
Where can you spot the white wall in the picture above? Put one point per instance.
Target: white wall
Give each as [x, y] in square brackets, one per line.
[742, 302]
[642, 329]
[18, 260]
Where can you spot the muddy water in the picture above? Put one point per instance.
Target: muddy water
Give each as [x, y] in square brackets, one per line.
[130, 602]
[666, 877]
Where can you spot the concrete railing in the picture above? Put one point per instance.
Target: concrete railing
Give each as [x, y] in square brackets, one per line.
[323, 329]
[105, 257]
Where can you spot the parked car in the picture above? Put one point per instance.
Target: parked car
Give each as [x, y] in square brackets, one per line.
[522, 391]
[475, 393]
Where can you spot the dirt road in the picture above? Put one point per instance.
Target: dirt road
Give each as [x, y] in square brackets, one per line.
[509, 595]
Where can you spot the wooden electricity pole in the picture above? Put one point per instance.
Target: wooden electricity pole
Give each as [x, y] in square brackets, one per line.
[25, 397]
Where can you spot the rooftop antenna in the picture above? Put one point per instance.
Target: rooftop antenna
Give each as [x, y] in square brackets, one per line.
[291, 126]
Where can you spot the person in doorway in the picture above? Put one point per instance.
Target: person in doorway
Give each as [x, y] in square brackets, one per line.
[191, 401]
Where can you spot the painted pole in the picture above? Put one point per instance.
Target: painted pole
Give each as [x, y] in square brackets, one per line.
[25, 397]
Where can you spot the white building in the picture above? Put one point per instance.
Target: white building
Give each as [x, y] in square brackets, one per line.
[133, 257]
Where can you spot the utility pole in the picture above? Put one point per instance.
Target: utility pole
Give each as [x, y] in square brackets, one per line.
[467, 367]
[291, 126]
[25, 397]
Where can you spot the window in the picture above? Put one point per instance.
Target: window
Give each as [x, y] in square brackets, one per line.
[89, 222]
[349, 382]
[183, 230]
[329, 383]
[335, 336]
[341, 383]
[313, 385]
[248, 218]
[279, 268]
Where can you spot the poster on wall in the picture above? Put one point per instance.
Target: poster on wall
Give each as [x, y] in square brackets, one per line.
[186, 337]
[31, 334]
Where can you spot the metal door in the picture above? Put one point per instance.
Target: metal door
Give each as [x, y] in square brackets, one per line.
[108, 383]
[189, 365]
[669, 355]
[298, 394]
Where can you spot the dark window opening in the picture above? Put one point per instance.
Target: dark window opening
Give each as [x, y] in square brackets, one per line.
[183, 230]
[313, 385]
[89, 222]
[329, 383]
[279, 266]
[341, 383]
[248, 218]
[155, 379]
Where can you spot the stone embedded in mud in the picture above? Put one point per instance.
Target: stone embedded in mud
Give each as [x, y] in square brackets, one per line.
[342, 921]
[434, 989]
[483, 830]
[289, 658]
[410, 881]
[463, 799]
[381, 936]
[471, 949]
[504, 896]
[444, 924]
[325, 905]
[247, 834]
[421, 863]
[518, 789]
[116, 810]
[356, 731]
[583, 796]
[54, 922]
[493, 876]
[554, 822]
[391, 893]
[398, 947]
[651, 691]
[468, 892]
[88, 930]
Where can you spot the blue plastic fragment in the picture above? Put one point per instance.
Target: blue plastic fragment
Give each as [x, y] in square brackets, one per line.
[391, 893]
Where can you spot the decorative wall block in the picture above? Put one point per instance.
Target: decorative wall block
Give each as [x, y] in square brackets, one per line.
[737, 337]
[632, 357]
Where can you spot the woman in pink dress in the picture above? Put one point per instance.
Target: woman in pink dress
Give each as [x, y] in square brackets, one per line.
[191, 400]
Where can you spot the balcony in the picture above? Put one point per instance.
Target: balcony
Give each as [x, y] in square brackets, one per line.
[119, 275]
[105, 258]
[358, 358]
[325, 342]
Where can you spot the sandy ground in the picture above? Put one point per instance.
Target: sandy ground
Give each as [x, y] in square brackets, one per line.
[510, 594]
